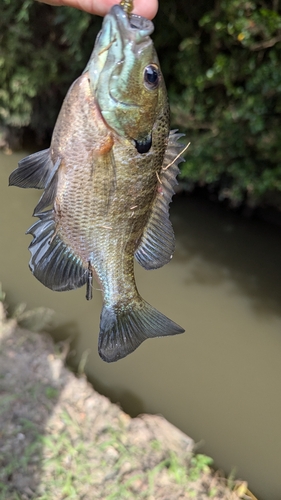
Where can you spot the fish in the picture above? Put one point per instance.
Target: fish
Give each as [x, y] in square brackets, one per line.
[108, 179]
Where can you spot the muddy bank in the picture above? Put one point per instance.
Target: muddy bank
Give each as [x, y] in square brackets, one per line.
[61, 439]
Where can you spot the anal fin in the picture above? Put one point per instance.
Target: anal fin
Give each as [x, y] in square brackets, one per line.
[52, 261]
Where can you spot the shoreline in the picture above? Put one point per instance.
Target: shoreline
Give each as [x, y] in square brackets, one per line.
[60, 439]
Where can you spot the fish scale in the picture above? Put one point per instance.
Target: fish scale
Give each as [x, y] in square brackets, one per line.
[108, 179]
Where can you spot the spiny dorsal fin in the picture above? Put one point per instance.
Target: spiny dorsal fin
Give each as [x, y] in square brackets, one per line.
[157, 243]
[52, 261]
[33, 171]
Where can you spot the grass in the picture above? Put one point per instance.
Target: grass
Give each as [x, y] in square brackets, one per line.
[66, 466]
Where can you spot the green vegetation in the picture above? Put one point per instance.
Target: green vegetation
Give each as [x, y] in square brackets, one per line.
[43, 50]
[73, 468]
[199, 464]
[229, 99]
[221, 65]
[36, 320]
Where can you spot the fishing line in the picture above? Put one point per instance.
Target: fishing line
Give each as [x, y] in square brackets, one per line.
[175, 159]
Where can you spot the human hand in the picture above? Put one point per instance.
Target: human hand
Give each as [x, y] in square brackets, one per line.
[146, 8]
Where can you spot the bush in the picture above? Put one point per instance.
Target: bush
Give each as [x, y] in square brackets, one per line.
[43, 49]
[228, 99]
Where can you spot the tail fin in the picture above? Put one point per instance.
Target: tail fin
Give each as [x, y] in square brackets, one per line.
[123, 330]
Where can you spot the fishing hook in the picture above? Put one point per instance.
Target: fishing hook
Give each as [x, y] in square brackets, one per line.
[127, 5]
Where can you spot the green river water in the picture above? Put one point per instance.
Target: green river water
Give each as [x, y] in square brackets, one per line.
[220, 381]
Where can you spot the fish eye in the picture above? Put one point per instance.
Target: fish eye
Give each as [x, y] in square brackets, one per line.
[151, 76]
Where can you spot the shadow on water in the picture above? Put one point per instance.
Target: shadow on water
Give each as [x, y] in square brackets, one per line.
[222, 246]
[130, 403]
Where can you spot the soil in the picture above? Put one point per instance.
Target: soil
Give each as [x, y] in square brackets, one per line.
[60, 439]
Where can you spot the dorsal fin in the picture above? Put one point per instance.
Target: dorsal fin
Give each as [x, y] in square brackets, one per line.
[33, 171]
[52, 261]
[49, 194]
[157, 243]
[37, 171]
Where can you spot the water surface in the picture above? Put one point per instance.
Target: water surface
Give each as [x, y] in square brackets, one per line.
[220, 381]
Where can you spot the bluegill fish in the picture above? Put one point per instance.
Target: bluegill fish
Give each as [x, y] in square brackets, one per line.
[109, 176]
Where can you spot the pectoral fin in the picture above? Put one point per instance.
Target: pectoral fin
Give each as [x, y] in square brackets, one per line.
[157, 243]
[52, 261]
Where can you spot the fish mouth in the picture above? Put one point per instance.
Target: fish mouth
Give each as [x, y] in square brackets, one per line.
[122, 38]
[131, 29]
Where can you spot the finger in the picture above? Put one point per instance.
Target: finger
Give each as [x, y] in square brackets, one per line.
[146, 8]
